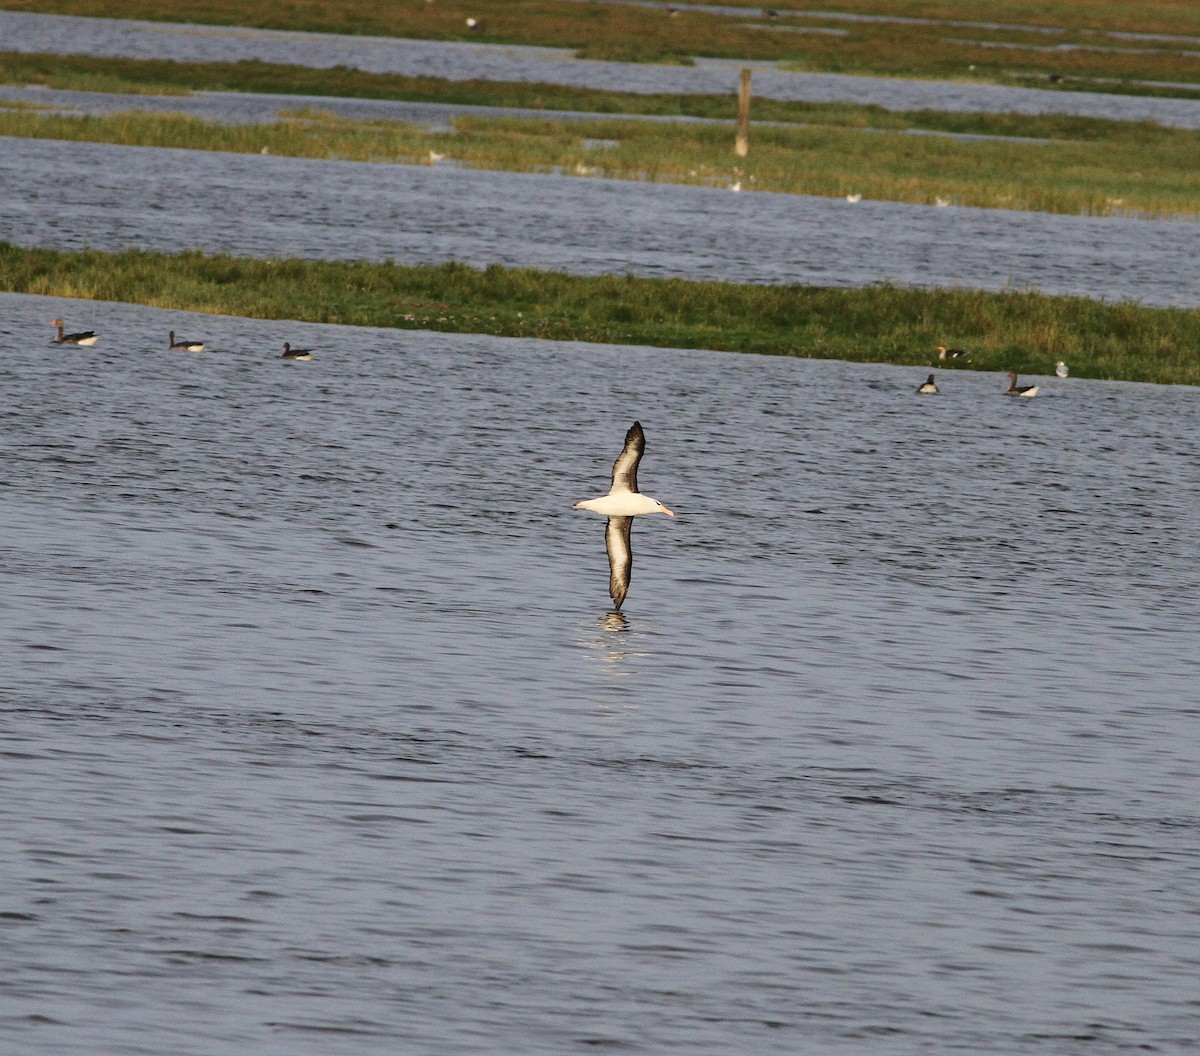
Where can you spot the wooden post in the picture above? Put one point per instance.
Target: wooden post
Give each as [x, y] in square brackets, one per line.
[741, 145]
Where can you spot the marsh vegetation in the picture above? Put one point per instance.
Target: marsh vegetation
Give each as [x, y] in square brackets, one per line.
[1076, 44]
[1105, 168]
[1019, 330]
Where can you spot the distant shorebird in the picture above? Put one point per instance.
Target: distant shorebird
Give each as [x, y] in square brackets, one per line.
[952, 353]
[622, 503]
[852, 198]
[1060, 368]
[1019, 390]
[84, 337]
[184, 346]
[296, 353]
[927, 386]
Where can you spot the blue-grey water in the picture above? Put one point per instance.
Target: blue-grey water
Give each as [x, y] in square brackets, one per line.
[265, 108]
[120, 38]
[319, 735]
[71, 195]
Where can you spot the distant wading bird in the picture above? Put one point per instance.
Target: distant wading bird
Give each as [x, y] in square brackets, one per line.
[296, 353]
[184, 346]
[1019, 390]
[622, 503]
[84, 337]
[927, 386]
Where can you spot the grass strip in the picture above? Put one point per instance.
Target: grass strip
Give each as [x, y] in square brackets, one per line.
[1022, 331]
[165, 77]
[1140, 169]
[626, 32]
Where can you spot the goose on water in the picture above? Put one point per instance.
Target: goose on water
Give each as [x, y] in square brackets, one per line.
[186, 346]
[927, 386]
[1019, 390]
[84, 337]
[296, 353]
[622, 503]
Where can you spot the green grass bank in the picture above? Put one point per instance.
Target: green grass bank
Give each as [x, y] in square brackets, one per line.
[1136, 169]
[1065, 44]
[1021, 331]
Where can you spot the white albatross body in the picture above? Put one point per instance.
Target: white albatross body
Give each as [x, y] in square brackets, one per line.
[622, 503]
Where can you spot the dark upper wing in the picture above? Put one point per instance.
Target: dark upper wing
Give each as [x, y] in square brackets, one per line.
[624, 474]
[620, 557]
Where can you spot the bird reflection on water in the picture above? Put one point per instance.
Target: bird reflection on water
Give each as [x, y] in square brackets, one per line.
[614, 621]
[612, 640]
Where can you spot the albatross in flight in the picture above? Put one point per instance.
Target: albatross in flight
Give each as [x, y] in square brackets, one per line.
[622, 503]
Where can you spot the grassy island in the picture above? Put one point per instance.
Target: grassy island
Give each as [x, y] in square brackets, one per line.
[1018, 330]
[1075, 44]
[1104, 168]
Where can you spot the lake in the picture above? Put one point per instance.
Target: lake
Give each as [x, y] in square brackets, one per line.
[320, 735]
[72, 195]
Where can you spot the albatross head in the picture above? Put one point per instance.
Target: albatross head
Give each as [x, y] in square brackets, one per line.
[663, 509]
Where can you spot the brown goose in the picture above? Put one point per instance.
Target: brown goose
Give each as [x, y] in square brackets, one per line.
[184, 346]
[84, 337]
[1019, 390]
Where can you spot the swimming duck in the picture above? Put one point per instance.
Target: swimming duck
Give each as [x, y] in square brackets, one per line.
[84, 337]
[951, 353]
[1019, 390]
[296, 353]
[928, 386]
[186, 346]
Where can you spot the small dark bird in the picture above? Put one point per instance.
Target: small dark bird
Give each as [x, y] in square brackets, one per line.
[184, 346]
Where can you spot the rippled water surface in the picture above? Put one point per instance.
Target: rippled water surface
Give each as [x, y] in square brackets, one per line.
[23, 31]
[319, 735]
[71, 195]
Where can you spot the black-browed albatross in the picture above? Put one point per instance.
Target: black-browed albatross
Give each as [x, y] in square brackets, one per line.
[622, 503]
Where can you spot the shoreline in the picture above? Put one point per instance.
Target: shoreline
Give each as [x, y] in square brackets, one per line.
[1013, 330]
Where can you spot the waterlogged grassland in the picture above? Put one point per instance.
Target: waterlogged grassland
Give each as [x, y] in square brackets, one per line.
[150, 76]
[1083, 53]
[1130, 169]
[1019, 331]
